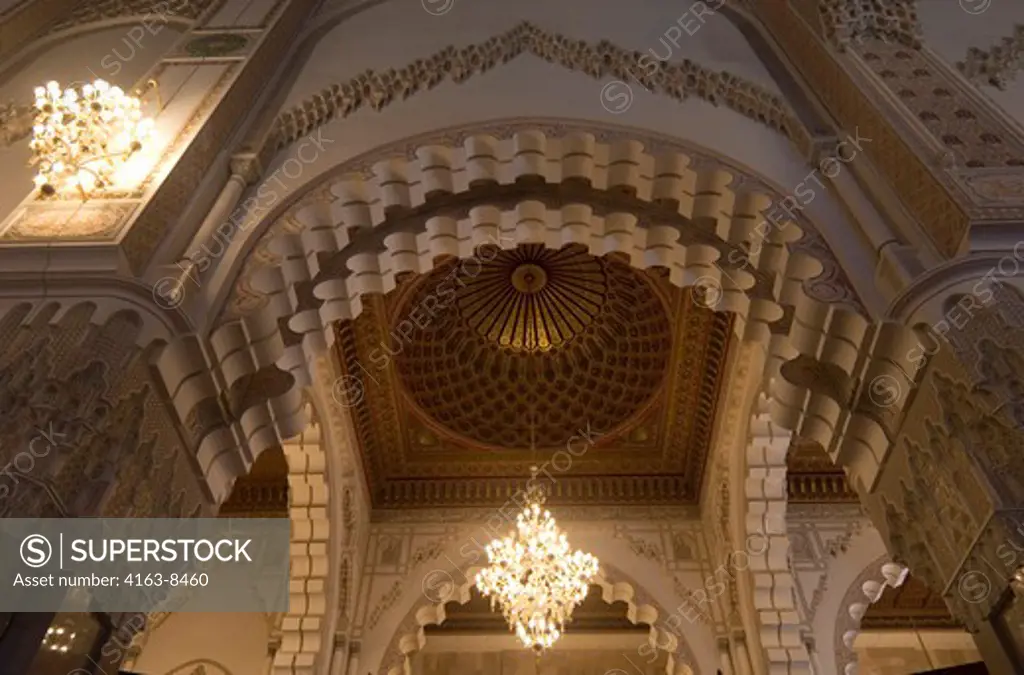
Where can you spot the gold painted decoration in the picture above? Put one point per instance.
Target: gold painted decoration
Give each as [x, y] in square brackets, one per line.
[587, 337]
[535, 298]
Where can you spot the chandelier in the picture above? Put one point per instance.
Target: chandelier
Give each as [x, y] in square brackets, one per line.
[534, 576]
[81, 136]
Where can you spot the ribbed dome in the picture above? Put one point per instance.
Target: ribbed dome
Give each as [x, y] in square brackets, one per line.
[578, 339]
[533, 297]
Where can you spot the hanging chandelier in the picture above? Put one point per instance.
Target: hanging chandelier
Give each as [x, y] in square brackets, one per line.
[534, 576]
[82, 135]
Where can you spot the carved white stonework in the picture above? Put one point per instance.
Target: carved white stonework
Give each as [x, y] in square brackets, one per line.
[345, 227]
[767, 545]
[309, 509]
[863, 593]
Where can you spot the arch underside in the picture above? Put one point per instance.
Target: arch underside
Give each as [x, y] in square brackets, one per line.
[692, 220]
[610, 198]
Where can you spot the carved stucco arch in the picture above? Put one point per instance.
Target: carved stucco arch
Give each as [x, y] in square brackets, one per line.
[439, 205]
[237, 297]
[418, 210]
[642, 608]
[752, 455]
[766, 543]
[865, 590]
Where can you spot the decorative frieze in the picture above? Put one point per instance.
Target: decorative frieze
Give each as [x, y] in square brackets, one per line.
[377, 90]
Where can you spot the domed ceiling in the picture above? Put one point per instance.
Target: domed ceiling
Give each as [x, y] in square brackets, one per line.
[452, 374]
[537, 340]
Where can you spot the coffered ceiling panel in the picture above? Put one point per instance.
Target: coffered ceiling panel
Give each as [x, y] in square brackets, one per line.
[612, 373]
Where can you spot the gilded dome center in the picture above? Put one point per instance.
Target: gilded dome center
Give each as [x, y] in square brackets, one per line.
[533, 297]
[560, 333]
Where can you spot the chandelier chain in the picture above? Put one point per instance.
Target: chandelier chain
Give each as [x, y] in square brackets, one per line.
[534, 576]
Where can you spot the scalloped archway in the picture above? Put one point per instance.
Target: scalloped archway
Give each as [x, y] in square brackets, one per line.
[408, 639]
[695, 221]
[865, 590]
[654, 210]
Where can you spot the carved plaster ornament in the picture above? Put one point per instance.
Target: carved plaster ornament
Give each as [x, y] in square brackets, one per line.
[865, 591]
[998, 65]
[105, 448]
[983, 436]
[856, 21]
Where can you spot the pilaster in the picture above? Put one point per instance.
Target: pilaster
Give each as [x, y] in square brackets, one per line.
[954, 159]
[948, 496]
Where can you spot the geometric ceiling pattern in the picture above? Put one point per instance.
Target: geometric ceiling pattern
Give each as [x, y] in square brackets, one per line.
[464, 377]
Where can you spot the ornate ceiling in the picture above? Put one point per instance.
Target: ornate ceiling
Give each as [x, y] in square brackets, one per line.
[614, 372]
[559, 337]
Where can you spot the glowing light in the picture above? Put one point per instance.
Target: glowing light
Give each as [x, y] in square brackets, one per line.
[82, 136]
[534, 576]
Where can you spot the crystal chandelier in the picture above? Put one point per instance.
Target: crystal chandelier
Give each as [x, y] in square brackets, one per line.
[534, 576]
[81, 136]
